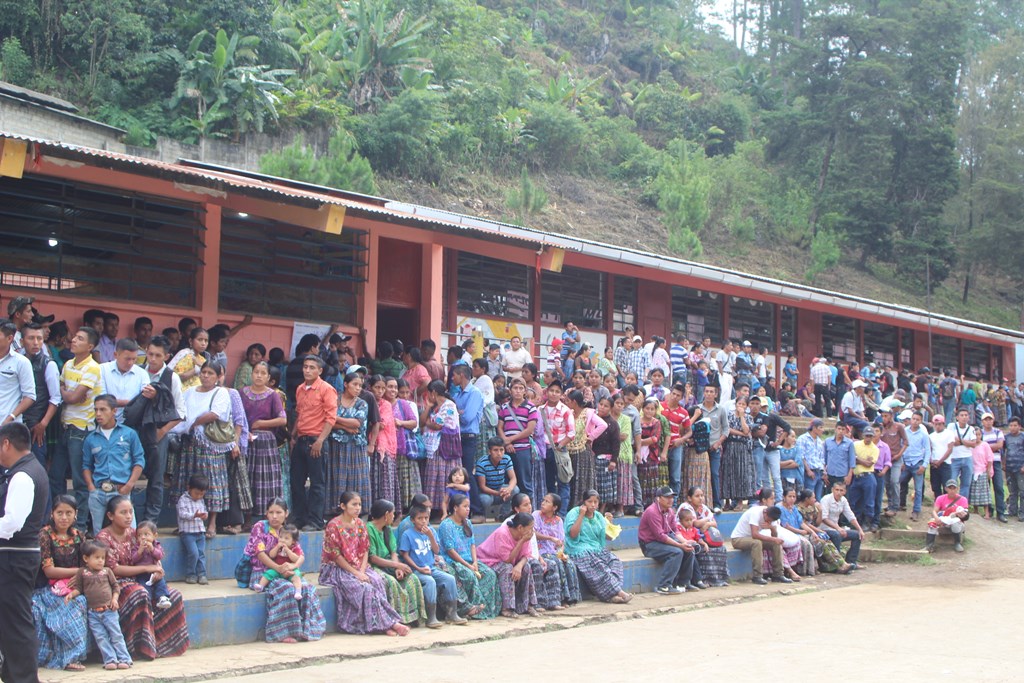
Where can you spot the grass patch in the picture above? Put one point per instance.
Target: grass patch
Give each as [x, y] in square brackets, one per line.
[926, 561]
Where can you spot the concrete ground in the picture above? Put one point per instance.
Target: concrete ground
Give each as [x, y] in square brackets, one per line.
[909, 633]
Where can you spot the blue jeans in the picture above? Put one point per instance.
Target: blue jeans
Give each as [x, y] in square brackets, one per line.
[523, 464]
[487, 500]
[761, 471]
[772, 467]
[469, 455]
[999, 488]
[906, 474]
[837, 538]
[156, 591]
[715, 461]
[962, 469]
[862, 497]
[815, 482]
[949, 410]
[939, 475]
[551, 473]
[106, 629]
[879, 493]
[855, 423]
[438, 581]
[195, 553]
[676, 564]
[675, 468]
[69, 454]
[98, 508]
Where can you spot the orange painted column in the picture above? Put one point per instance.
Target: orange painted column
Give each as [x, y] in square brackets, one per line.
[432, 292]
[209, 275]
[368, 301]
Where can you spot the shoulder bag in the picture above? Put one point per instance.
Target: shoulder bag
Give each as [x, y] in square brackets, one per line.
[219, 431]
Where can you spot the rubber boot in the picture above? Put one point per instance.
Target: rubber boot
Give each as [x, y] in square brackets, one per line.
[452, 614]
[957, 546]
[929, 544]
[432, 621]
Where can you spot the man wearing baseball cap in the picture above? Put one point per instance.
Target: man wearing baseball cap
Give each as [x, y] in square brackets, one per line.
[950, 507]
[852, 409]
[20, 312]
[638, 360]
[862, 489]
[660, 542]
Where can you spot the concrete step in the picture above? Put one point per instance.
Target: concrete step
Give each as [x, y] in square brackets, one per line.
[223, 552]
[869, 554]
[224, 614]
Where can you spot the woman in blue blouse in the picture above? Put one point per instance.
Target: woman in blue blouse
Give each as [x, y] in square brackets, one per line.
[348, 468]
[476, 582]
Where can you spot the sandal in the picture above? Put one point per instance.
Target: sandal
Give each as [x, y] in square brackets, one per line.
[618, 600]
[289, 639]
[75, 666]
[509, 614]
[110, 667]
[475, 610]
[391, 633]
[401, 629]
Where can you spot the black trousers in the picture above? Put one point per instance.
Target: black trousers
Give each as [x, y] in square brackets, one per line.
[308, 510]
[18, 641]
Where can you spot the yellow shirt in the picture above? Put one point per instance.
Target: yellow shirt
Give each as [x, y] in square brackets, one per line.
[81, 415]
[865, 451]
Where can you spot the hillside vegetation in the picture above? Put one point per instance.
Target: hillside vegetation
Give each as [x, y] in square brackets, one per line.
[863, 146]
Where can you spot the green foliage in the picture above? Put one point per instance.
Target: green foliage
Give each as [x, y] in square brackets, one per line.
[404, 135]
[15, 65]
[342, 167]
[557, 136]
[825, 254]
[683, 192]
[527, 200]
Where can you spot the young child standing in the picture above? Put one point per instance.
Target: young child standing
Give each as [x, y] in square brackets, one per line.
[458, 482]
[688, 531]
[97, 583]
[151, 552]
[192, 528]
[287, 551]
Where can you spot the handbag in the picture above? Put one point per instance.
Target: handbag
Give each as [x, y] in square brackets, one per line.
[243, 569]
[563, 462]
[219, 431]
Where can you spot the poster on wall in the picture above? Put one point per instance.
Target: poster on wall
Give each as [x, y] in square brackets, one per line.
[492, 331]
[301, 329]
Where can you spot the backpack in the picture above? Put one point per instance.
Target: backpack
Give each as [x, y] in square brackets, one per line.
[946, 388]
[702, 436]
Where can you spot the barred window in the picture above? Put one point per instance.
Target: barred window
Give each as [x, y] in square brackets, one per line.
[880, 343]
[697, 313]
[273, 268]
[787, 315]
[753, 321]
[907, 349]
[99, 242]
[494, 288]
[624, 304]
[946, 353]
[574, 294]
[976, 360]
[839, 337]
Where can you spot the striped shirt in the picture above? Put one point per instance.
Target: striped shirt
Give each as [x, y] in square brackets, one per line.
[494, 475]
[87, 373]
[638, 361]
[517, 418]
[678, 357]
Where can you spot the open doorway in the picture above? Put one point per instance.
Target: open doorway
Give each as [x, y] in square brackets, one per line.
[398, 323]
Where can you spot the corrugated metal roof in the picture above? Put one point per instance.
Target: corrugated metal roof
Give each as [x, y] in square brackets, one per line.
[413, 213]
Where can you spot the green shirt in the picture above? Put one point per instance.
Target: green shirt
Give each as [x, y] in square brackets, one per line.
[378, 546]
[388, 368]
[591, 538]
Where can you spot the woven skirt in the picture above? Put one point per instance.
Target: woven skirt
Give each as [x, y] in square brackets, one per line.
[696, 471]
[584, 475]
[348, 469]
[197, 457]
[738, 471]
[626, 470]
[264, 461]
[602, 572]
[385, 480]
[408, 480]
[649, 479]
[607, 482]
[981, 491]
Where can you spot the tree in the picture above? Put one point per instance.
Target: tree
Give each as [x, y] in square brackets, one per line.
[683, 198]
[343, 167]
[527, 200]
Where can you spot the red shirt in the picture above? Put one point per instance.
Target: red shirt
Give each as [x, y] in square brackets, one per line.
[315, 406]
[678, 418]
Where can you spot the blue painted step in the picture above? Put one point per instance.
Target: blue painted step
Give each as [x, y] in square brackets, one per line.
[223, 552]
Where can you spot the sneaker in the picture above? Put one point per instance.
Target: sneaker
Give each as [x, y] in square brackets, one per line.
[700, 585]
[759, 580]
[717, 510]
[203, 581]
[669, 590]
[190, 580]
[163, 603]
[1002, 518]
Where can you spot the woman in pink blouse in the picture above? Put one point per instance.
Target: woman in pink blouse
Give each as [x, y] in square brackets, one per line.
[384, 462]
[507, 552]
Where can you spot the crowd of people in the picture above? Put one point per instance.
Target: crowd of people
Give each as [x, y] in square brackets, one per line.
[353, 445]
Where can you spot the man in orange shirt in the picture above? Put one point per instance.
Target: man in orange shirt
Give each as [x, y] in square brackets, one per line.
[316, 407]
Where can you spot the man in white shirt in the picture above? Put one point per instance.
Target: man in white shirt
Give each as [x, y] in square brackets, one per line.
[942, 447]
[961, 460]
[515, 358]
[17, 382]
[156, 438]
[755, 532]
[833, 508]
[851, 408]
[122, 377]
[822, 378]
[724, 361]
